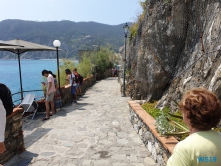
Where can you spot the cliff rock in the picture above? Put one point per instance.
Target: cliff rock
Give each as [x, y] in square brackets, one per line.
[176, 48]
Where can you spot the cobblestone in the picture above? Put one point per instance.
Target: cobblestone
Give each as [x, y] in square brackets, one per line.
[95, 132]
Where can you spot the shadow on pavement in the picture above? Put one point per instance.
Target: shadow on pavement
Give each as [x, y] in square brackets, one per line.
[22, 160]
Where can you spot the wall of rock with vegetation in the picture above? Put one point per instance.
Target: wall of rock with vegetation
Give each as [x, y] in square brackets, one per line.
[177, 47]
[14, 142]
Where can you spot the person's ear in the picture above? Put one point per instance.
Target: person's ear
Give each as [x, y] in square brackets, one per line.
[187, 113]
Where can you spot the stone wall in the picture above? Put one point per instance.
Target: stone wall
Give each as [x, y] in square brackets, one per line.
[160, 147]
[14, 142]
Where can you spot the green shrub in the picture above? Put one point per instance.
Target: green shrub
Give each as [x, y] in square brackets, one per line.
[167, 124]
[85, 67]
[150, 109]
[139, 19]
[103, 60]
[66, 64]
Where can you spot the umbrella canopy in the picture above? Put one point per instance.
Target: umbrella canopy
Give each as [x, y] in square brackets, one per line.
[26, 46]
[4, 43]
[22, 46]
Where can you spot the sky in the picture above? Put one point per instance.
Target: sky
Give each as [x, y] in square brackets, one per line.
[111, 12]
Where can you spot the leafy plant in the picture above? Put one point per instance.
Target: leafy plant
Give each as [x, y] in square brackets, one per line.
[167, 124]
[103, 59]
[139, 19]
[162, 124]
[150, 109]
[85, 67]
[128, 72]
[133, 31]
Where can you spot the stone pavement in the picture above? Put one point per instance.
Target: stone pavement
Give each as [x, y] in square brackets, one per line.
[94, 132]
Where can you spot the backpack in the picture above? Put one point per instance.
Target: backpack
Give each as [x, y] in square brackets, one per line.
[6, 97]
[81, 79]
[76, 78]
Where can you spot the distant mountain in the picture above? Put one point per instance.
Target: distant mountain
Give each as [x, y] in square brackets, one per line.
[74, 36]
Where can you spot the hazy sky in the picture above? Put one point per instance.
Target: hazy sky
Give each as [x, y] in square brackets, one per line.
[112, 12]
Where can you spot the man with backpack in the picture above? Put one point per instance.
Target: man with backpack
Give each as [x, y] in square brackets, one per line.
[79, 81]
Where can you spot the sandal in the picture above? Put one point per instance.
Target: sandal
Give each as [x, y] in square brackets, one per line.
[51, 114]
[45, 119]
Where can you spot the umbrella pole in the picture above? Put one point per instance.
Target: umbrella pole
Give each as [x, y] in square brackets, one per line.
[19, 64]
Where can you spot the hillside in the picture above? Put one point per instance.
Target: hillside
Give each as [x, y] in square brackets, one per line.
[74, 36]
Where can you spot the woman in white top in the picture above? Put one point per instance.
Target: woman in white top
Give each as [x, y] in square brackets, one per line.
[71, 78]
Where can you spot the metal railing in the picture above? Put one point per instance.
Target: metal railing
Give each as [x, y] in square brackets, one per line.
[16, 97]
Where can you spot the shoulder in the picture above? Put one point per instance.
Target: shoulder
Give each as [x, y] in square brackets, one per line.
[185, 146]
[50, 76]
[181, 146]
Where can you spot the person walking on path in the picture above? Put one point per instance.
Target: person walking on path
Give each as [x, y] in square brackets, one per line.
[49, 94]
[201, 111]
[72, 81]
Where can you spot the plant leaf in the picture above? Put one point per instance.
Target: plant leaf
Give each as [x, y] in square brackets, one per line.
[175, 116]
[178, 125]
[176, 133]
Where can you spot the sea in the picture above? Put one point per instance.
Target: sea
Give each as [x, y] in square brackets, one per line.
[30, 72]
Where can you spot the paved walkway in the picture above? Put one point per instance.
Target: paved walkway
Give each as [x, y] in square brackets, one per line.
[94, 132]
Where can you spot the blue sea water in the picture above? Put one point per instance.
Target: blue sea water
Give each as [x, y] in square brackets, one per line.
[30, 71]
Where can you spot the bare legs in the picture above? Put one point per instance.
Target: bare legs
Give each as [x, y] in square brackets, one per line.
[48, 108]
[52, 107]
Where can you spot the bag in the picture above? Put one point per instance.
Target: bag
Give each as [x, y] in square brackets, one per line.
[6, 97]
[81, 79]
[57, 99]
[76, 78]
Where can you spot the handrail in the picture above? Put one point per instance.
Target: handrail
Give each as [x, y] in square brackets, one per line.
[14, 101]
[26, 91]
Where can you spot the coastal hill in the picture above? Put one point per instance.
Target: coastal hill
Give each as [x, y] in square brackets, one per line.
[74, 36]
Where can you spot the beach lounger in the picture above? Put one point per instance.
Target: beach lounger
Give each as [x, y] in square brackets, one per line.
[29, 104]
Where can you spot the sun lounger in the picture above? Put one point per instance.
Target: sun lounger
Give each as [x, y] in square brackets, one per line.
[29, 104]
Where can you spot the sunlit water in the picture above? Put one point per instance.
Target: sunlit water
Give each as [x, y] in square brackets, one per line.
[31, 74]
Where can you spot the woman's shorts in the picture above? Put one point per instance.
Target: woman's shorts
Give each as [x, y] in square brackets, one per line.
[50, 97]
[73, 90]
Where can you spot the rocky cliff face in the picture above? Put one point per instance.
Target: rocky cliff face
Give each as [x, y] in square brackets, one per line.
[177, 48]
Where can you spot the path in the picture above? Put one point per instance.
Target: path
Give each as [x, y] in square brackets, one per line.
[94, 132]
